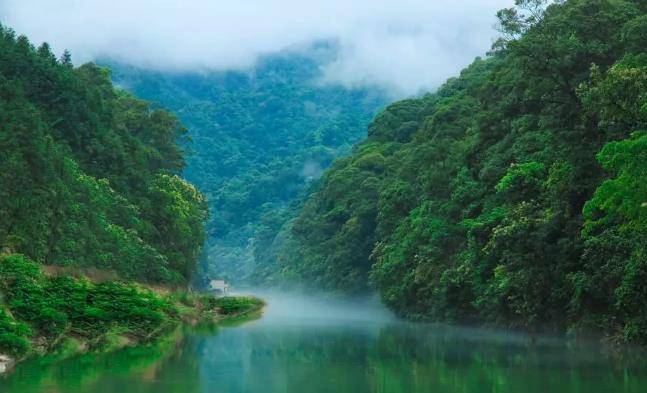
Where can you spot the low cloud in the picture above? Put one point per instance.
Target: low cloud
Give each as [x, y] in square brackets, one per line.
[404, 45]
[311, 170]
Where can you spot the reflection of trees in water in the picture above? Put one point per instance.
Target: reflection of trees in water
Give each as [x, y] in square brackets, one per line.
[353, 358]
[151, 366]
[443, 359]
[405, 358]
[290, 359]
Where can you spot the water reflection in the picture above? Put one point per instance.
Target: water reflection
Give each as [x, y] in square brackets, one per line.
[308, 346]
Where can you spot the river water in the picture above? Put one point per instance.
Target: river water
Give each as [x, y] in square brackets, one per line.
[307, 346]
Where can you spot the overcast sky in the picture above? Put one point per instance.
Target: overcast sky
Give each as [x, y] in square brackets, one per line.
[404, 45]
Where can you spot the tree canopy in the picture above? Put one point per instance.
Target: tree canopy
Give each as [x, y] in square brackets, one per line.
[89, 173]
[512, 196]
[261, 138]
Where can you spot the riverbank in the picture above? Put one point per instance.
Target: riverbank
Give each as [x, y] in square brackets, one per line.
[308, 344]
[43, 314]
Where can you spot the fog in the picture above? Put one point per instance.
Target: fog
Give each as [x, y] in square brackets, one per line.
[312, 308]
[288, 311]
[403, 45]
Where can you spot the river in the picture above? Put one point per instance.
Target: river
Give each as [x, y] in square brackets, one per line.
[305, 346]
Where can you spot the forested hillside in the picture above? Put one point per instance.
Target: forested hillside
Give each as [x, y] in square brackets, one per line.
[515, 195]
[259, 138]
[88, 173]
[88, 183]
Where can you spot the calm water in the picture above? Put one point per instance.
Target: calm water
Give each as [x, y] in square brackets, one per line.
[306, 346]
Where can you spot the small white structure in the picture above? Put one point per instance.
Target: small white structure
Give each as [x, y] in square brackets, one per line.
[219, 287]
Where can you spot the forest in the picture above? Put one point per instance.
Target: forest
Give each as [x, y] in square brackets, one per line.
[260, 138]
[513, 196]
[89, 185]
[95, 168]
[279, 196]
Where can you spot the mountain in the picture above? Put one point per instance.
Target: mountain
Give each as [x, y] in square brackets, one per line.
[260, 139]
[513, 196]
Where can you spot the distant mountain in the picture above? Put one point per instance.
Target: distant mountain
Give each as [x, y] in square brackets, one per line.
[260, 139]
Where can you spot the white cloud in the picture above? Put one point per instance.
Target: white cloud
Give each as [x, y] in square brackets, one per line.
[406, 45]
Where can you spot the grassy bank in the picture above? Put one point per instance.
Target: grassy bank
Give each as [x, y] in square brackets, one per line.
[42, 313]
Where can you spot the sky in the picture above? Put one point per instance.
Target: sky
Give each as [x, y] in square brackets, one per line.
[406, 46]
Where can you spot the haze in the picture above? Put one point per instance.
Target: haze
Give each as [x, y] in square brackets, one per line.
[404, 45]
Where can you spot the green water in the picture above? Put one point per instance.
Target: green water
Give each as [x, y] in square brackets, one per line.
[305, 346]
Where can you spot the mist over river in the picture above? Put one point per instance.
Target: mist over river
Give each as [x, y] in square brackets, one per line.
[303, 345]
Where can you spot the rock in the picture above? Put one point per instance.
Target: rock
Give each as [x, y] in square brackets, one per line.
[6, 363]
[40, 345]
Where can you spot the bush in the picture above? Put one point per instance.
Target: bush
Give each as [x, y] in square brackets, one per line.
[13, 334]
[237, 305]
[59, 305]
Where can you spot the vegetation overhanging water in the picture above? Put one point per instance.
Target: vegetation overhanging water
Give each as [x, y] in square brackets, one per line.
[303, 344]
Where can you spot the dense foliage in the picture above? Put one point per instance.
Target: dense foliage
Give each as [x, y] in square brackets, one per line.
[237, 305]
[515, 195]
[58, 307]
[88, 173]
[43, 311]
[259, 139]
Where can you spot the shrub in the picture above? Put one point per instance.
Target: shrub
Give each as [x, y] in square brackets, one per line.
[237, 305]
[13, 334]
[53, 306]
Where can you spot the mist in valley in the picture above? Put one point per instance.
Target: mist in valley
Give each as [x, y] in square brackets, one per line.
[284, 196]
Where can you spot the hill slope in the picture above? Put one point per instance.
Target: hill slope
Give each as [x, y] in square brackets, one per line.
[513, 196]
[88, 173]
[88, 182]
[259, 139]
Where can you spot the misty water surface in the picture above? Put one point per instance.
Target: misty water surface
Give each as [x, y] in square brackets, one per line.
[302, 346]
